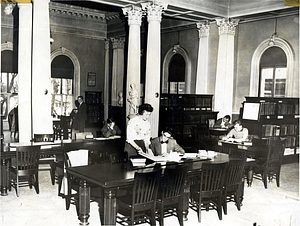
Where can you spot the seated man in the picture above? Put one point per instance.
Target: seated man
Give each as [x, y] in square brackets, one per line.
[165, 144]
[238, 133]
[110, 128]
[223, 122]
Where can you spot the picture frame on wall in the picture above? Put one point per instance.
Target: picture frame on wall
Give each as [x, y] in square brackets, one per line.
[91, 79]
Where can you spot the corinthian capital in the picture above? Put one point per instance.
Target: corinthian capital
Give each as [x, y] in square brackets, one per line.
[134, 14]
[106, 44]
[203, 29]
[227, 25]
[118, 43]
[154, 10]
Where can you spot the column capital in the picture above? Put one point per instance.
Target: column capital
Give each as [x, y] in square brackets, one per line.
[227, 25]
[203, 29]
[118, 43]
[106, 44]
[154, 11]
[134, 14]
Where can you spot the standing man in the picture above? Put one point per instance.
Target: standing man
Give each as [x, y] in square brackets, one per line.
[81, 114]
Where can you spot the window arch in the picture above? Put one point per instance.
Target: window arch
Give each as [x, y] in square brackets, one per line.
[64, 69]
[290, 89]
[178, 52]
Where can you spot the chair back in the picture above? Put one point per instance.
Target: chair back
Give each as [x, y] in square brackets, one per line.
[275, 154]
[43, 138]
[118, 157]
[145, 188]
[212, 178]
[27, 159]
[173, 181]
[234, 173]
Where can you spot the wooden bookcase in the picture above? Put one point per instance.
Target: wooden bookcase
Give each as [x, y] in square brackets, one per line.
[95, 109]
[185, 112]
[276, 118]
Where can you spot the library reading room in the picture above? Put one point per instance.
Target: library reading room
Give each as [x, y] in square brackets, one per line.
[149, 112]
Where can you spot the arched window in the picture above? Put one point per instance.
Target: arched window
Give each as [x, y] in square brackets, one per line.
[176, 81]
[62, 76]
[273, 73]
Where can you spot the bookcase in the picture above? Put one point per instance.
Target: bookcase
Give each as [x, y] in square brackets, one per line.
[273, 118]
[95, 109]
[185, 112]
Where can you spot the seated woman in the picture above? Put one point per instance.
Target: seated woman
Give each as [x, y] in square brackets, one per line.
[238, 133]
[110, 128]
[223, 122]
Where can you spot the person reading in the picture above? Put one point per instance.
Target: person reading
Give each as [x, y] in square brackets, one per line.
[165, 144]
[110, 128]
[238, 133]
[223, 122]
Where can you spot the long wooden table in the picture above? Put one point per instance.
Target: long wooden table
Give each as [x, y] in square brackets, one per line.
[113, 177]
[95, 146]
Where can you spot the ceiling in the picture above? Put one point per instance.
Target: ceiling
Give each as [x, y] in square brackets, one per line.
[199, 10]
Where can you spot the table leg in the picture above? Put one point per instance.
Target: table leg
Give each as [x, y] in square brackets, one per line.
[4, 177]
[84, 203]
[186, 195]
[110, 207]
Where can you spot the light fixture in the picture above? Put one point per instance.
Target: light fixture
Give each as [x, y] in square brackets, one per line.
[272, 37]
[51, 39]
[176, 46]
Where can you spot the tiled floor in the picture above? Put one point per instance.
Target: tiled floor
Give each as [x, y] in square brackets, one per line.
[267, 207]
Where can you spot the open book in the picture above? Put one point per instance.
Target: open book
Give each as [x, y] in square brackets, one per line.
[173, 157]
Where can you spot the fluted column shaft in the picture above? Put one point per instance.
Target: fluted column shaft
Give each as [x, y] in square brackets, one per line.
[41, 76]
[106, 80]
[153, 63]
[117, 69]
[202, 64]
[24, 71]
[134, 15]
[225, 67]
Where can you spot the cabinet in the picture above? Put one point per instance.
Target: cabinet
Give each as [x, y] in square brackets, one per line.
[273, 118]
[184, 113]
[95, 109]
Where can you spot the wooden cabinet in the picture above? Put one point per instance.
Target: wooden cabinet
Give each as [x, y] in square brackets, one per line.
[95, 109]
[273, 118]
[185, 112]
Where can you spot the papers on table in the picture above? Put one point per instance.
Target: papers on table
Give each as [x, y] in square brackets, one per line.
[107, 138]
[173, 157]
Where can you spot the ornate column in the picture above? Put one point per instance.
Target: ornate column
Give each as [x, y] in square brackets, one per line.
[225, 67]
[134, 15]
[202, 65]
[41, 76]
[24, 71]
[106, 80]
[153, 62]
[117, 70]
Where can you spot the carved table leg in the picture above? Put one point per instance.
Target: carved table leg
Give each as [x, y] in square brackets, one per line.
[4, 177]
[186, 195]
[110, 207]
[84, 203]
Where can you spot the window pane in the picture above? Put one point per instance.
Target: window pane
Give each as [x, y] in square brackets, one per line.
[181, 89]
[280, 81]
[266, 82]
[56, 84]
[66, 86]
[13, 83]
[56, 105]
[67, 104]
[3, 82]
[173, 87]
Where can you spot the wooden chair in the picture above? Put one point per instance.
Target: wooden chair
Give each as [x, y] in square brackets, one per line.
[171, 193]
[142, 201]
[118, 157]
[270, 166]
[25, 172]
[47, 161]
[207, 193]
[234, 183]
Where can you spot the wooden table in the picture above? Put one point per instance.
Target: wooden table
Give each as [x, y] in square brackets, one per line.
[113, 177]
[95, 146]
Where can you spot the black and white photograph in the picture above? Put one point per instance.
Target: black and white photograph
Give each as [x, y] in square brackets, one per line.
[149, 112]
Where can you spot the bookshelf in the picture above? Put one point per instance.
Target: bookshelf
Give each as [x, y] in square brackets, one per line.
[185, 112]
[94, 109]
[276, 118]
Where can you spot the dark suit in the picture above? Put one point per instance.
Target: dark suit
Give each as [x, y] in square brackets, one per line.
[81, 116]
[155, 146]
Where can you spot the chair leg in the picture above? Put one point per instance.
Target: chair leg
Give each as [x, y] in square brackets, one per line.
[225, 203]
[52, 172]
[278, 178]
[199, 209]
[161, 215]
[36, 183]
[153, 216]
[265, 179]
[17, 186]
[180, 213]
[219, 208]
